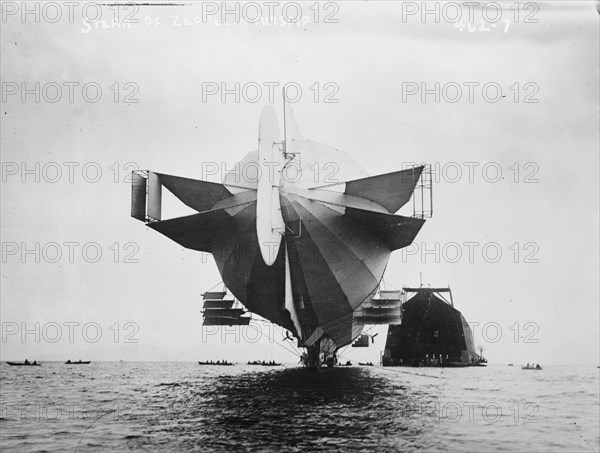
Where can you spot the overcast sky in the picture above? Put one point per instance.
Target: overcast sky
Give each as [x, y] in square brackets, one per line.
[540, 213]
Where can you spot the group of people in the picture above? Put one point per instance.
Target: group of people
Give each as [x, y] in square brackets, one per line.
[29, 363]
[428, 361]
[537, 366]
[434, 360]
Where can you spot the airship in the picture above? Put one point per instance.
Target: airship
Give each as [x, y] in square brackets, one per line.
[299, 231]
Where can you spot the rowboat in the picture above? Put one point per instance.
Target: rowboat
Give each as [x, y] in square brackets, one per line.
[23, 364]
[215, 363]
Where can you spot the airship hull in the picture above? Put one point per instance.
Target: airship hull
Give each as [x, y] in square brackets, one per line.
[303, 249]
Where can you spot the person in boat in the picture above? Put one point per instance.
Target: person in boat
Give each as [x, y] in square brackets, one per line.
[69, 361]
[538, 367]
[35, 362]
[26, 362]
[527, 364]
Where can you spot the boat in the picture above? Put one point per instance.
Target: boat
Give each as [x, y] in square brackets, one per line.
[263, 363]
[365, 363]
[79, 362]
[510, 364]
[531, 367]
[23, 364]
[218, 363]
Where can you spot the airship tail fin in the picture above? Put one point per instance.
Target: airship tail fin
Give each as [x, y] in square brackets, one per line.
[198, 195]
[397, 231]
[146, 193]
[146, 196]
[390, 190]
[214, 202]
[197, 231]
[292, 135]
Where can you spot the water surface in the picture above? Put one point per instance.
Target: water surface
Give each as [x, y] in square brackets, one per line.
[184, 406]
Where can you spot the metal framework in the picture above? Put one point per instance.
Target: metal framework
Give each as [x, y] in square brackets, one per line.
[423, 195]
[219, 311]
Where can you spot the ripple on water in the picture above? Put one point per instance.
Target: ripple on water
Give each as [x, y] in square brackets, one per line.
[179, 406]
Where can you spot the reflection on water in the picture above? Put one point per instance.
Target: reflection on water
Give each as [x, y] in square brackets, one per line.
[343, 407]
[184, 406]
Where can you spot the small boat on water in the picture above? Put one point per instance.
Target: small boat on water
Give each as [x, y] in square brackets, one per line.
[79, 362]
[531, 367]
[365, 363]
[24, 364]
[219, 363]
[263, 363]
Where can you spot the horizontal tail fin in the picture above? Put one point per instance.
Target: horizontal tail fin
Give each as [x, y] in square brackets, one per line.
[390, 190]
[397, 231]
[197, 194]
[197, 231]
[146, 193]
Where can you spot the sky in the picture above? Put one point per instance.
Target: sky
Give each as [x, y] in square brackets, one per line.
[515, 226]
